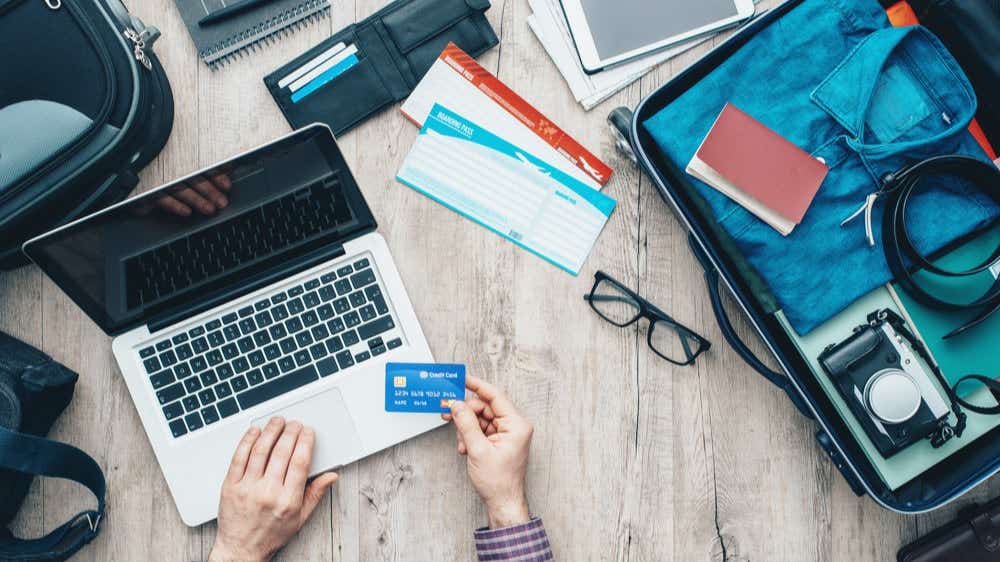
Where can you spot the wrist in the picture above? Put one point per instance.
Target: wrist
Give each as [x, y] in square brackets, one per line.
[508, 513]
[223, 553]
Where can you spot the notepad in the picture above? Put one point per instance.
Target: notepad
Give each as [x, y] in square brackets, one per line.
[505, 188]
[758, 168]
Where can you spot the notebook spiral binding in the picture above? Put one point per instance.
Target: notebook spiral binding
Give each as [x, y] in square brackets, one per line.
[288, 22]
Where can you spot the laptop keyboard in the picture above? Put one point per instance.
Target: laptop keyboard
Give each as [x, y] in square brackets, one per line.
[274, 345]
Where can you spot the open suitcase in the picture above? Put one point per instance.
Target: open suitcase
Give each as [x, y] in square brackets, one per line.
[945, 481]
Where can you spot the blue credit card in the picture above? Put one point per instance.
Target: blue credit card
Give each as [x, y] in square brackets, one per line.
[423, 387]
[321, 80]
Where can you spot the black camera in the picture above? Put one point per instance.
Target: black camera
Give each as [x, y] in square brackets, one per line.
[890, 393]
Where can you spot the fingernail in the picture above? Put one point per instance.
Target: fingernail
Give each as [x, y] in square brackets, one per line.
[276, 420]
[253, 430]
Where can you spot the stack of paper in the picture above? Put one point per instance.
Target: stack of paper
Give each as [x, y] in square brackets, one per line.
[549, 24]
[487, 154]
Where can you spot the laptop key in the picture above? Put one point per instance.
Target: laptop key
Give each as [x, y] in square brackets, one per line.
[361, 264]
[271, 370]
[216, 338]
[288, 345]
[368, 312]
[170, 393]
[279, 298]
[163, 345]
[241, 365]
[293, 325]
[182, 371]
[334, 344]
[380, 305]
[296, 291]
[255, 377]
[184, 352]
[310, 318]
[178, 428]
[192, 384]
[147, 352]
[327, 292]
[319, 333]
[341, 305]
[295, 306]
[327, 367]
[344, 359]
[375, 342]
[197, 331]
[228, 407]
[343, 286]
[310, 299]
[277, 387]
[168, 358]
[239, 384]
[352, 319]
[193, 421]
[303, 339]
[230, 350]
[191, 403]
[209, 378]
[213, 325]
[279, 313]
[261, 305]
[210, 415]
[286, 364]
[246, 344]
[247, 326]
[325, 312]
[378, 350]
[376, 327]
[199, 345]
[223, 390]
[214, 357]
[245, 311]
[173, 410]
[312, 284]
[335, 326]
[277, 331]
[318, 351]
[272, 351]
[232, 332]
[366, 277]
[152, 365]
[372, 292]
[302, 357]
[206, 396]
[224, 371]
[229, 318]
[261, 338]
[357, 298]
[328, 277]
[363, 356]
[350, 338]
[256, 358]
[393, 344]
[179, 338]
[264, 319]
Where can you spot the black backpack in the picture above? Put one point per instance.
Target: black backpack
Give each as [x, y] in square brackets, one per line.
[84, 105]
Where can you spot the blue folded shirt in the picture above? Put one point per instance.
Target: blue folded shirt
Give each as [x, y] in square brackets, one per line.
[835, 79]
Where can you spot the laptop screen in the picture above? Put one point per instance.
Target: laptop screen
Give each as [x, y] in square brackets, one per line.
[208, 232]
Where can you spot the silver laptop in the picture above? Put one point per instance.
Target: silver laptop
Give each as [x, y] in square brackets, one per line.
[284, 302]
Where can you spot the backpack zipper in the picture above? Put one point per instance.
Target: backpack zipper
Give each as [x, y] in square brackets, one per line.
[141, 42]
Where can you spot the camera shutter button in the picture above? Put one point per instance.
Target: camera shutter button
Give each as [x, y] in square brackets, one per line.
[893, 396]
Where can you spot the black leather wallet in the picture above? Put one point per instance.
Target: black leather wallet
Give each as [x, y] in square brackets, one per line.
[396, 46]
[973, 537]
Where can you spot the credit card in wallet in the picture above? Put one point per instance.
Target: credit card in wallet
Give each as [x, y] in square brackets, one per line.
[313, 63]
[423, 387]
[324, 73]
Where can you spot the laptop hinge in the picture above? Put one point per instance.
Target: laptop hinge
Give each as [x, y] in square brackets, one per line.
[246, 286]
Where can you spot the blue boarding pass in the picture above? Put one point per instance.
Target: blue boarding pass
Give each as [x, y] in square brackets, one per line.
[491, 181]
[423, 387]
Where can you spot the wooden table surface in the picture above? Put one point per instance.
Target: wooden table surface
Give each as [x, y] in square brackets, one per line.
[633, 459]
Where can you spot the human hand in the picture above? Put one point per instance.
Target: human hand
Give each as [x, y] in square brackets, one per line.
[205, 194]
[265, 499]
[495, 439]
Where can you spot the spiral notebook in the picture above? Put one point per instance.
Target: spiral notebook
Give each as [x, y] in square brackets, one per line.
[243, 33]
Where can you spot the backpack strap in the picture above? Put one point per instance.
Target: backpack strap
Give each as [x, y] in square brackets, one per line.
[43, 457]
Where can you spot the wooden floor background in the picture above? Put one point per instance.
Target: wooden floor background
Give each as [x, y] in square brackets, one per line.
[633, 459]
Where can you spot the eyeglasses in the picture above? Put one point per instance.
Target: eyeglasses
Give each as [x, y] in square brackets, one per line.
[622, 307]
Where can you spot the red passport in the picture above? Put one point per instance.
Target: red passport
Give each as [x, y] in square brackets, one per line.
[758, 168]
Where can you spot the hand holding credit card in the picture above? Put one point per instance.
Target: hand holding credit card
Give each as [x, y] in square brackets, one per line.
[423, 387]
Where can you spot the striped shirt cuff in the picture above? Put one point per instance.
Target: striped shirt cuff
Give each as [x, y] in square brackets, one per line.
[526, 542]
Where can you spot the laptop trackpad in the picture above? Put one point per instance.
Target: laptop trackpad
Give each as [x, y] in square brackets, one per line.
[337, 440]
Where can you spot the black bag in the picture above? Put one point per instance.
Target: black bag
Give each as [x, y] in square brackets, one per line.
[973, 537]
[84, 105]
[34, 390]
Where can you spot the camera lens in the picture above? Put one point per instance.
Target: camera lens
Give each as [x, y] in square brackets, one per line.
[892, 396]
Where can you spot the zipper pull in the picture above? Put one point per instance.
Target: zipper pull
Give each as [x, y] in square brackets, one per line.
[53, 4]
[141, 43]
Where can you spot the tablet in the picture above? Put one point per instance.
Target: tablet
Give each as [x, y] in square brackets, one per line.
[608, 32]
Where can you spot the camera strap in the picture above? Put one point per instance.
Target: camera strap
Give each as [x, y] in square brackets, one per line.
[945, 431]
[899, 247]
[43, 457]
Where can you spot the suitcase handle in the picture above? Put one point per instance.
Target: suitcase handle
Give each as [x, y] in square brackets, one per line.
[728, 332]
